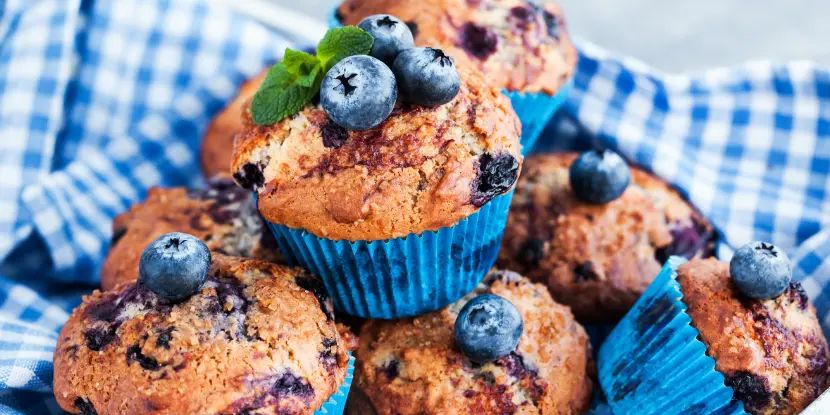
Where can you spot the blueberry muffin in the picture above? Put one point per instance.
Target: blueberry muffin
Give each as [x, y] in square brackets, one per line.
[217, 143]
[519, 45]
[597, 258]
[423, 168]
[414, 366]
[222, 215]
[256, 338]
[772, 352]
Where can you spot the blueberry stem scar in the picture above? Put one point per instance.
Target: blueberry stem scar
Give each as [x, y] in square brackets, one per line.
[347, 87]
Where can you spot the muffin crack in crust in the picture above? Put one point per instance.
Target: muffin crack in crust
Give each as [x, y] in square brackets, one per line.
[255, 339]
[771, 352]
[413, 366]
[597, 259]
[518, 45]
[414, 172]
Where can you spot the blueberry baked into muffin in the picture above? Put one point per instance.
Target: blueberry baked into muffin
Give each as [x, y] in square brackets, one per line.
[595, 243]
[518, 45]
[771, 351]
[222, 214]
[217, 143]
[244, 336]
[506, 348]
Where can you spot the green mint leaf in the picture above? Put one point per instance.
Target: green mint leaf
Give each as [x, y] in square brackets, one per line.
[343, 42]
[271, 108]
[290, 84]
[287, 87]
[302, 65]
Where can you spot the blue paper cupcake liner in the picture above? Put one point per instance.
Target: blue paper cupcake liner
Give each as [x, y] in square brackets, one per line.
[336, 405]
[534, 109]
[401, 277]
[653, 362]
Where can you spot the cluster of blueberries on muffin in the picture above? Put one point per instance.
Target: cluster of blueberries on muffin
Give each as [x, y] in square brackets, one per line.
[360, 91]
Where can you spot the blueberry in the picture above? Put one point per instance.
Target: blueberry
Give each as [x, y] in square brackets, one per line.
[174, 266]
[426, 76]
[761, 270]
[487, 328]
[391, 36]
[479, 41]
[496, 176]
[359, 92]
[599, 176]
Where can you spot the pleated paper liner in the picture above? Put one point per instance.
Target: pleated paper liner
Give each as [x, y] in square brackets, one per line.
[653, 362]
[406, 276]
[534, 109]
[336, 405]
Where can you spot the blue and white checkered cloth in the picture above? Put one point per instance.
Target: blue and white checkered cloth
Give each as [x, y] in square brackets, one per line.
[99, 100]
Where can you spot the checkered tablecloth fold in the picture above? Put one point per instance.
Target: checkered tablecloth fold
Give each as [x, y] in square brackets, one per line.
[100, 100]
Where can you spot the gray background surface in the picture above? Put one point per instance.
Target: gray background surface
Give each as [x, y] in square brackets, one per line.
[682, 35]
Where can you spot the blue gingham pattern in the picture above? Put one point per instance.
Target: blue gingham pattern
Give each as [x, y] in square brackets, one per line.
[101, 99]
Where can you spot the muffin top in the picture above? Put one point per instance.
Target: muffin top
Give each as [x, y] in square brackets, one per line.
[421, 169]
[519, 45]
[222, 215]
[772, 352]
[258, 337]
[597, 259]
[413, 366]
[217, 143]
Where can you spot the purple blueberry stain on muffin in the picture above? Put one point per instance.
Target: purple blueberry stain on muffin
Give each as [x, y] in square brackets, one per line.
[85, 406]
[478, 41]
[496, 175]
[135, 355]
[751, 389]
[107, 314]
[229, 295]
[391, 369]
[334, 136]
[688, 241]
[277, 388]
[251, 176]
[97, 338]
[521, 16]
[328, 357]
[798, 295]
[163, 339]
[552, 22]
[514, 365]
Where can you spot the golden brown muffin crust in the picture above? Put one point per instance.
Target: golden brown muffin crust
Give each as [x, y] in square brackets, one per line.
[518, 45]
[222, 215]
[597, 259]
[772, 352]
[412, 366]
[416, 171]
[258, 337]
[217, 143]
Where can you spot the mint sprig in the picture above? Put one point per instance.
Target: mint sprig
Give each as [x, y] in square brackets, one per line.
[290, 84]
